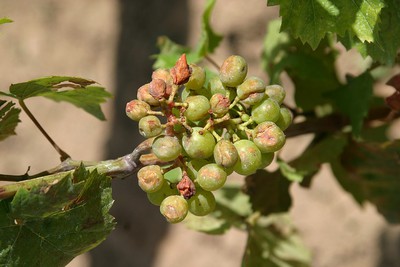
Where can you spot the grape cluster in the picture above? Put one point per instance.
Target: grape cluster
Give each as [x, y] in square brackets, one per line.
[205, 130]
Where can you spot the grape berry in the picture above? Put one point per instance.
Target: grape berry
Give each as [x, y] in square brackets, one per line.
[209, 127]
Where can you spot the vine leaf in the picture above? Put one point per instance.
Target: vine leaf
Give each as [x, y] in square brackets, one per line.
[273, 241]
[171, 51]
[308, 164]
[370, 171]
[318, 78]
[9, 119]
[312, 20]
[50, 224]
[385, 51]
[269, 192]
[354, 98]
[5, 20]
[77, 91]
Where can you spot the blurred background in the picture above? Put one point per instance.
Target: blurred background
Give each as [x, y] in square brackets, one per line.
[112, 42]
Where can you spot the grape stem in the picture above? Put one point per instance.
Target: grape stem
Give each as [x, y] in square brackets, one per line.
[116, 168]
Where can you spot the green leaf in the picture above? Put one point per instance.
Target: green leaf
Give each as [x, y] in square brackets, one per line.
[354, 99]
[312, 20]
[5, 20]
[47, 226]
[81, 92]
[209, 39]
[386, 50]
[370, 172]
[310, 161]
[275, 47]
[273, 241]
[312, 72]
[171, 51]
[269, 192]
[9, 119]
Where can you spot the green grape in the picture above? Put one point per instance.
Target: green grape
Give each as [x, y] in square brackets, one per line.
[200, 144]
[211, 177]
[144, 95]
[197, 77]
[266, 110]
[250, 158]
[174, 208]
[166, 190]
[233, 71]
[285, 118]
[268, 137]
[202, 203]
[225, 154]
[150, 126]
[219, 105]
[216, 87]
[166, 148]
[276, 92]
[198, 107]
[136, 109]
[250, 86]
[150, 178]
[266, 159]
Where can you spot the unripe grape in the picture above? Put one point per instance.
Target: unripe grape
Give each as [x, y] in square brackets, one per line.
[202, 203]
[268, 137]
[136, 109]
[233, 71]
[216, 87]
[144, 95]
[285, 118]
[174, 208]
[266, 110]
[211, 177]
[150, 126]
[250, 158]
[166, 190]
[249, 86]
[198, 107]
[150, 178]
[219, 105]
[276, 92]
[199, 146]
[266, 159]
[197, 77]
[225, 154]
[166, 148]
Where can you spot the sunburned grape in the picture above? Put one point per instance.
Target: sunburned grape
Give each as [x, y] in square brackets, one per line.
[166, 148]
[233, 71]
[211, 177]
[250, 158]
[225, 154]
[158, 196]
[137, 109]
[219, 105]
[150, 126]
[197, 77]
[150, 178]
[174, 208]
[268, 137]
